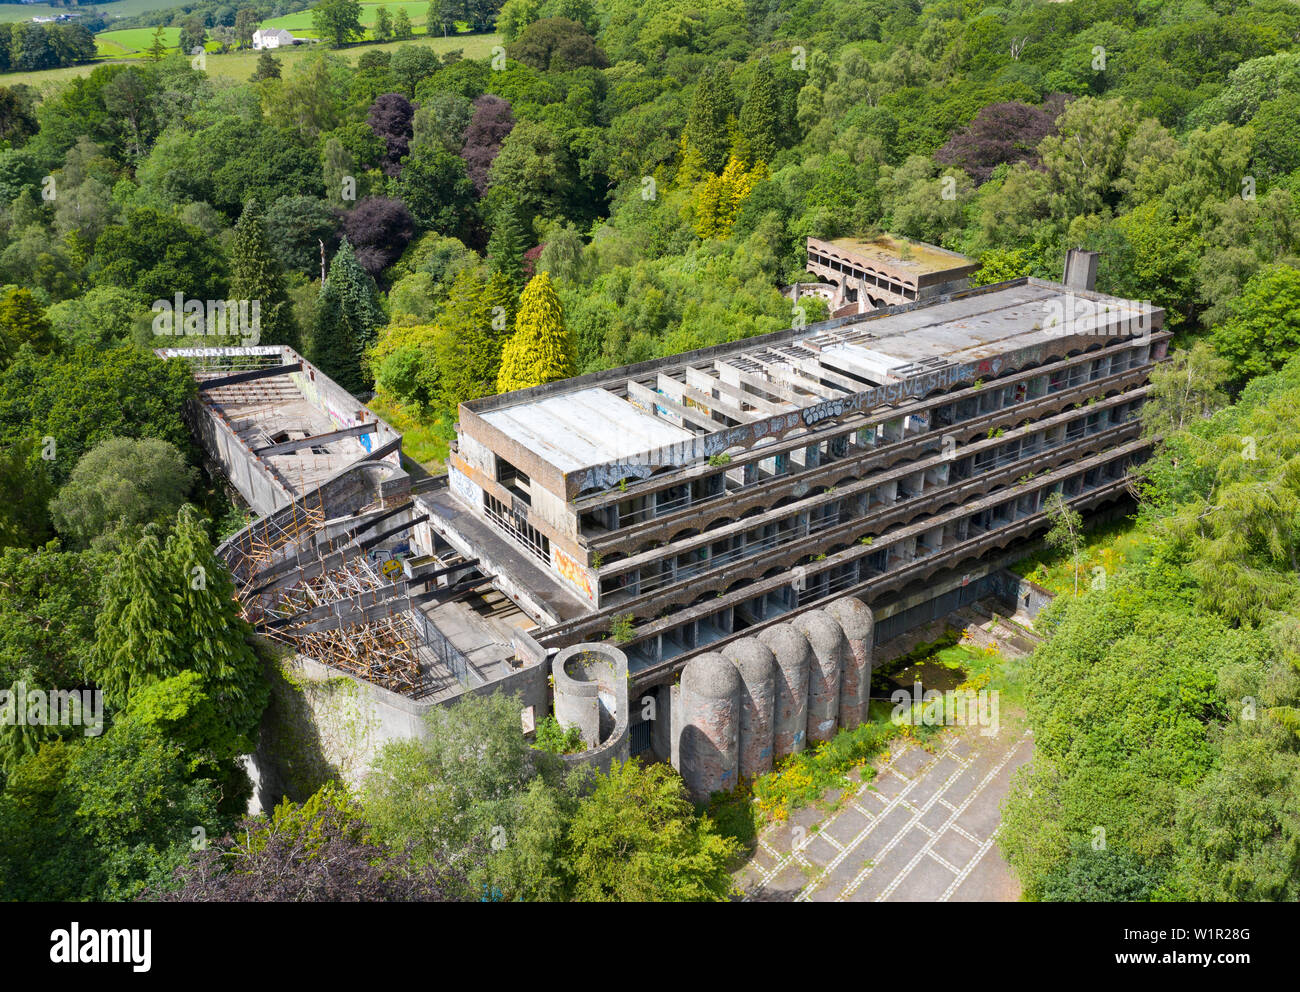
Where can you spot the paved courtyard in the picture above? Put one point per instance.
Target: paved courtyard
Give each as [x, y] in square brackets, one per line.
[922, 830]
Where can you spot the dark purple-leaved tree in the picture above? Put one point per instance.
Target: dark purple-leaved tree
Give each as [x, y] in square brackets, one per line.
[391, 117]
[379, 228]
[1001, 132]
[318, 852]
[488, 128]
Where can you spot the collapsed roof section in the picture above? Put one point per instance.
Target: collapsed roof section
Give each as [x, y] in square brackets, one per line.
[278, 426]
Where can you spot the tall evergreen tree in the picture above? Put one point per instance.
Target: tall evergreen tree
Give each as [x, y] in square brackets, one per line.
[506, 247]
[760, 116]
[706, 126]
[472, 329]
[256, 275]
[169, 607]
[348, 315]
[541, 349]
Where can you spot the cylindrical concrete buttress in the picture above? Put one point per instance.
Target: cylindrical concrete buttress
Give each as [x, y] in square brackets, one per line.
[793, 657]
[757, 670]
[709, 750]
[856, 620]
[577, 695]
[828, 650]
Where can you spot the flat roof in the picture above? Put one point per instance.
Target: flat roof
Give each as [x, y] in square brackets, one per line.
[749, 388]
[902, 253]
[584, 428]
[962, 329]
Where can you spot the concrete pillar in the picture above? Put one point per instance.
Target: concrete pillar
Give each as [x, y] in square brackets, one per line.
[826, 639]
[709, 747]
[756, 666]
[790, 713]
[857, 621]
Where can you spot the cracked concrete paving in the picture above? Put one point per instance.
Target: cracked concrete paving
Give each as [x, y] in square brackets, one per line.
[923, 829]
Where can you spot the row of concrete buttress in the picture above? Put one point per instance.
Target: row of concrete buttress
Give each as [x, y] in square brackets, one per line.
[763, 697]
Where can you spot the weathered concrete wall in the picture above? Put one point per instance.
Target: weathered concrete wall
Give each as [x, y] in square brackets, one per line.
[828, 650]
[764, 697]
[854, 618]
[325, 725]
[758, 688]
[591, 683]
[708, 752]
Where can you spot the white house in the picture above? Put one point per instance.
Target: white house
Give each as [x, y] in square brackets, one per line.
[277, 38]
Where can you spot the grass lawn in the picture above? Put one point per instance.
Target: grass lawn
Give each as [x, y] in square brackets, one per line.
[424, 443]
[240, 65]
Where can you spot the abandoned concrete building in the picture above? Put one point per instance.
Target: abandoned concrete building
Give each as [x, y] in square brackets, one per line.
[697, 515]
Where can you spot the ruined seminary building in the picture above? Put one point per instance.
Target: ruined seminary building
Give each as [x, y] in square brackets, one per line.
[898, 454]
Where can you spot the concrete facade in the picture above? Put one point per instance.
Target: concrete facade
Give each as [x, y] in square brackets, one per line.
[700, 499]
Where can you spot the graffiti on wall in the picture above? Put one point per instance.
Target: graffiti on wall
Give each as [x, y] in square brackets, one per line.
[574, 573]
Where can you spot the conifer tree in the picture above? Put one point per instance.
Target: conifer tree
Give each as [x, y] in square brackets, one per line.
[169, 607]
[22, 321]
[706, 127]
[506, 247]
[472, 329]
[348, 315]
[541, 349]
[760, 116]
[255, 274]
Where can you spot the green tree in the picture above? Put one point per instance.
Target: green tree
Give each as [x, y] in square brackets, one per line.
[1066, 533]
[158, 47]
[441, 17]
[22, 322]
[1186, 388]
[636, 838]
[706, 136]
[1263, 327]
[194, 34]
[505, 248]
[459, 787]
[255, 274]
[156, 256]
[348, 316]
[473, 328]
[268, 67]
[121, 482]
[760, 117]
[79, 399]
[169, 607]
[246, 22]
[338, 21]
[402, 29]
[541, 349]
[383, 29]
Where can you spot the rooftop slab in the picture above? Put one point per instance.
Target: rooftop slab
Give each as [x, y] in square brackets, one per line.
[585, 427]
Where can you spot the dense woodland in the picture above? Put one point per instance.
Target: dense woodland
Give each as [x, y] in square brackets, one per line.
[633, 180]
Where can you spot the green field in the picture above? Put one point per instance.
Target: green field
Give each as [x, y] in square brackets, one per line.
[122, 8]
[239, 65]
[134, 39]
[300, 23]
